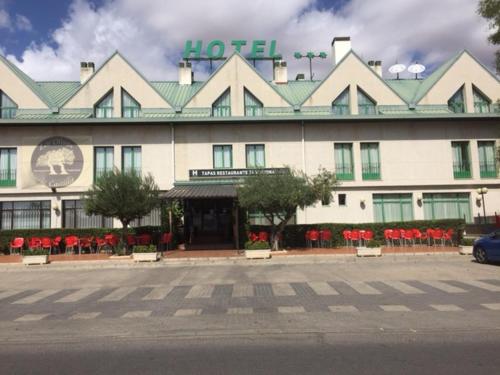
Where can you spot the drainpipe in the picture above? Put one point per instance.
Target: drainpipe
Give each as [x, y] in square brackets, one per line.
[172, 136]
[303, 136]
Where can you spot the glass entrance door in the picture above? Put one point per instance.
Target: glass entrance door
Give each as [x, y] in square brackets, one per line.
[208, 221]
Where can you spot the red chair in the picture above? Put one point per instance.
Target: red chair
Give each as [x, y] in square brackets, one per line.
[56, 243]
[252, 236]
[46, 244]
[396, 236]
[166, 240]
[428, 235]
[35, 243]
[438, 236]
[100, 244]
[408, 237]
[355, 236]
[325, 237]
[71, 243]
[131, 240]
[16, 245]
[448, 236]
[314, 237]
[263, 236]
[86, 243]
[417, 235]
[144, 239]
[112, 240]
[347, 237]
[388, 237]
[367, 235]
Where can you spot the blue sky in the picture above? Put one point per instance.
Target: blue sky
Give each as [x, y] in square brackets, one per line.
[151, 33]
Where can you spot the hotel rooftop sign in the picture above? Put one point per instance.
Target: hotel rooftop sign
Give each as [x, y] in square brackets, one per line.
[215, 50]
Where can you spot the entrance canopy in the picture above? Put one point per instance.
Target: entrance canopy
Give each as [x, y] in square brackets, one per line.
[201, 191]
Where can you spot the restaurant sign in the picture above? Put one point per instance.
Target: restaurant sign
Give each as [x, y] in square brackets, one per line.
[231, 173]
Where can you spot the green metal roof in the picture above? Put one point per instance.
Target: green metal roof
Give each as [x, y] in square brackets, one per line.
[296, 92]
[176, 94]
[58, 91]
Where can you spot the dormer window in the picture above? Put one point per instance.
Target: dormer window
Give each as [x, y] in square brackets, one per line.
[104, 108]
[481, 102]
[366, 105]
[130, 106]
[253, 106]
[456, 103]
[222, 106]
[7, 106]
[340, 106]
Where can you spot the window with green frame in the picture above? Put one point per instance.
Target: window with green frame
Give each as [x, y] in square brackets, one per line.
[255, 155]
[481, 103]
[461, 160]
[456, 102]
[103, 161]
[130, 107]
[131, 159]
[222, 106]
[487, 161]
[223, 156]
[104, 108]
[340, 105]
[366, 105]
[447, 206]
[8, 108]
[392, 207]
[370, 161]
[258, 218]
[8, 166]
[253, 106]
[344, 168]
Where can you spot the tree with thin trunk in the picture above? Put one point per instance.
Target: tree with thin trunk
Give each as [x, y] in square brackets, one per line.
[490, 9]
[124, 196]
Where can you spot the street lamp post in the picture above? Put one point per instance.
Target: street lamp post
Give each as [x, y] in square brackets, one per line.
[482, 191]
[310, 56]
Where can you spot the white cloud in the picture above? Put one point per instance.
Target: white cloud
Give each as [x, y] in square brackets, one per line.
[4, 19]
[23, 23]
[152, 34]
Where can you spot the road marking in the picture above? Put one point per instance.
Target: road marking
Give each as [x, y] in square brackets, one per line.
[157, 293]
[187, 312]
[283, 289]
[31, 317]
[395, 308]
[343, 308]
[362, 288]
[118, 294]
[78, 295]
[240, 310]
[85, 316]
[481, 285]
[8, 293]
[201, 291]
[137, 314]
[443, 286]
[446, 308]
[242, 290]
[291, 309]
[322, 288]
[491, 306]
[403, 287]
[37, 296]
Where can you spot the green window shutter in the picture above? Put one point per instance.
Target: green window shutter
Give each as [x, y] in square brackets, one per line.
[255, 156]
[222, 106]
[8, 108]
[456, 102]
[366, 106]
[104, 161]
[370, 163]
[487, 160]
[461, 160]
[392, 207]
[223, 156]
[447, 206]
[131, 159]
[8, 167]
[340, 105]
[481, 103]
[104, 109]
[130, 107]
[343, 161]
[253, 107]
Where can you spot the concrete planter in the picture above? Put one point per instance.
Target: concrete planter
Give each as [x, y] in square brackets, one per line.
[35, 259]
[465, 250]
[146, 257]
[368, 251]
[258, 254]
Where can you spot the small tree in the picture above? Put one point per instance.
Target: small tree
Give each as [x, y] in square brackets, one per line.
[490, 9]
[125, 196]
[277, 196]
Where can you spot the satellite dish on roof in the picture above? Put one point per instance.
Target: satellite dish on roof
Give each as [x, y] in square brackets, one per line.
[416, 69]
[396, 69]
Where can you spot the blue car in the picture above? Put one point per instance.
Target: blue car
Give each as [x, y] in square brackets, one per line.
[487, 248]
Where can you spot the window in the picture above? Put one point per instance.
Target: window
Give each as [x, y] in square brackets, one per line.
[255, 156]
[223, 156]
[222, 106]
[342, 199]
[340, 106]
[366, 106]
[25, 215]
[258, 218]
[103, 161]
[8, 165]
[74, 216]
[344, 169]
[153, 219]
[461, 160]
[370, 163]
[7, 106]
[481, 102]
[131, 159]
[104, 108]
[487, 160]
[253, 106]
[130, 107]
[456, 102]
[447, 206]
[392, 207]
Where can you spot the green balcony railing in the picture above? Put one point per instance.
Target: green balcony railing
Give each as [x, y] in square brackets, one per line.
[7, 177]
[371, 172]
[488, 170]
[344, 173]
[461, 170]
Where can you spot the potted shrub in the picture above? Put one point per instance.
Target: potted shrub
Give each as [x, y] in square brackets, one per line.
[35, 256]
[257, 250]
[372, 249]
[145, 253]
[466, 246]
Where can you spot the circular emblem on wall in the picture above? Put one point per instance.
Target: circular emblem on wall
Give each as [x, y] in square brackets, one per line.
[57, 162]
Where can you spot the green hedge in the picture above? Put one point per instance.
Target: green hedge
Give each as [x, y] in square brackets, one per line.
[294, 235]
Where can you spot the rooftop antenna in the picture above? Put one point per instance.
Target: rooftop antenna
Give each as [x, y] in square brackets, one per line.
[416, 69]
[396, 69]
